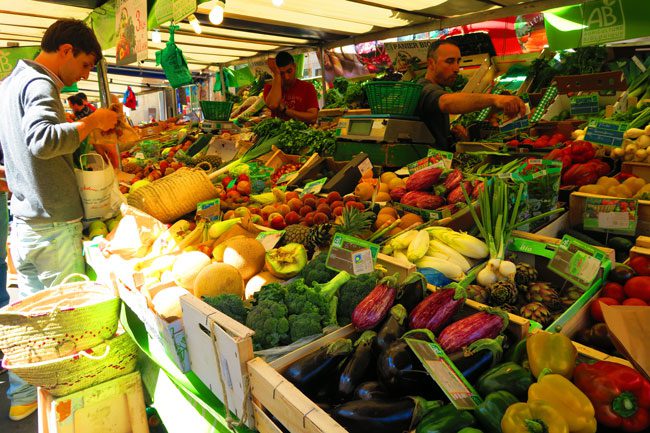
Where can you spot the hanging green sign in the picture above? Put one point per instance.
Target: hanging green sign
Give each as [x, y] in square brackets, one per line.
[9, 57]
[595, 22]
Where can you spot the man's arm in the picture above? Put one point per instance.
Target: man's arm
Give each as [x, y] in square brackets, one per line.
[103, 119]
[274, 98]
[308, 116]
[461, 103]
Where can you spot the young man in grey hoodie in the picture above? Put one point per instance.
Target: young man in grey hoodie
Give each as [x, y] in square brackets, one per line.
[38, 145]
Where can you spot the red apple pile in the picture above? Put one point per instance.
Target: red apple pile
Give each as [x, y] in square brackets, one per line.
[235, 191]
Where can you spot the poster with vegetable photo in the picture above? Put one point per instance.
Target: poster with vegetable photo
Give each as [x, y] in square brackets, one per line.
[131, 30]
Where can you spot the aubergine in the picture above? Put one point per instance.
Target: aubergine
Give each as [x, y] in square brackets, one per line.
[372, 390]
[356, 367]
[381, 416]
[412, 291]
[310, 373]
[393, 327]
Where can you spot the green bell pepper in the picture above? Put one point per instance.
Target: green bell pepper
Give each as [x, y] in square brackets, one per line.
[509, 377]
[445, 419]
[491, 411]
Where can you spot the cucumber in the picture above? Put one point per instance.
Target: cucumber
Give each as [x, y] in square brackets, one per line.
[199, 144]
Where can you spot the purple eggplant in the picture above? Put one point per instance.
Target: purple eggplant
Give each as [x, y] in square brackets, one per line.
[356, 368]
[437, 309]
[311, 373]
[393, 327]
[371, 391]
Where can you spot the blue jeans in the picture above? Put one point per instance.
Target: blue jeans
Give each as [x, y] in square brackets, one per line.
[44, 254]
[4, 228]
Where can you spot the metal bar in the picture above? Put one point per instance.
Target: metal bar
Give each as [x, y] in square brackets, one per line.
[105, 96]
[265, 54]
[322, 72]
[399, 10]
[520, 9]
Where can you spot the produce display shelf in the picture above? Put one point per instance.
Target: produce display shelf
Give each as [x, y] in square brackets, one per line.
[577, 204]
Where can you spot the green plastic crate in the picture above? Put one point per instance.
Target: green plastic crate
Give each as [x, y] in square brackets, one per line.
[393, 97]
[216, 110]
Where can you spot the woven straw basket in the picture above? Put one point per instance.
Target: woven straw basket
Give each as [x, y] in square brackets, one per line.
[59, 321]
[173, 196]
[63, 376]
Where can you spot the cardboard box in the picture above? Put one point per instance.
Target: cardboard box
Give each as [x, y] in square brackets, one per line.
[116, 406]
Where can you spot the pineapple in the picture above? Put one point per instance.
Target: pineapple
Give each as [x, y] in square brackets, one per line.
[354, 222]
[319, 236]
[214, 160]
[544, 293]
[525, 275]
[477, 293]
[502, 292]
[536, 311]
[295, 233]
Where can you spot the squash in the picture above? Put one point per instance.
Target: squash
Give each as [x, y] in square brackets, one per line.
[187, 266]
[167, 303]
[633, 133]
[218, 279]
[634, 183]
[595, 189]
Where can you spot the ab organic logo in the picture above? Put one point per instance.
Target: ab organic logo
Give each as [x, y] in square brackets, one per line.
[604, 22]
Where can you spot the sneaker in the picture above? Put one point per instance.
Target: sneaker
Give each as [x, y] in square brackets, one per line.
[22, 411]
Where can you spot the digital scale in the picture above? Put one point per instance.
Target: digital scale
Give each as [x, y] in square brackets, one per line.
[389, 141]
[219, 126]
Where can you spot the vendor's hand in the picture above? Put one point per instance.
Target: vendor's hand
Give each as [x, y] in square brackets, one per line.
[460, 132]
[108, 152]
[512, 106]
[275, 71]
[104, 119]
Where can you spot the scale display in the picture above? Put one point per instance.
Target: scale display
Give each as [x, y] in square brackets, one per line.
[384, 129]
[360, 127]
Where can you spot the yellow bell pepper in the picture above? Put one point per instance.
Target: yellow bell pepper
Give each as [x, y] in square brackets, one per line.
[533, 417]
[554, 352]
[563, 396]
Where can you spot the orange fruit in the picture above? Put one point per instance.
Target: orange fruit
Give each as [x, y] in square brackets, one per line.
[367, 174]
[382, 196]
[389, 210]
[396, 183]
[387, 176]
[395, 231]
[383, 187]
[364, 191]
[383, 218]
[410, 219]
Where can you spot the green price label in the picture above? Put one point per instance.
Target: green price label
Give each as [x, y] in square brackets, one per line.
[352, 255]
[313, 187]
[584, 104]
[209, 209]
[285, 178]
[618, 216]
[270, 239]
[578, 262]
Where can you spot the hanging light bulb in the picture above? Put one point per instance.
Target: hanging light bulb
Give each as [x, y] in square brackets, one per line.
[216, 14]
[156, 37]
[277, 3]
[194, 22]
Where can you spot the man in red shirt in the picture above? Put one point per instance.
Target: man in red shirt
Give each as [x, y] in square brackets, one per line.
[288, 97]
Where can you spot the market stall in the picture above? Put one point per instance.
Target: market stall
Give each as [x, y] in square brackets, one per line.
[347, 276]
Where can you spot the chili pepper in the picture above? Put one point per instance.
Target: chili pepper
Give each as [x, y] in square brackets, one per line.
[551, 351]
[558, 392]
[535, 416]
[491, 411]
[620, 394]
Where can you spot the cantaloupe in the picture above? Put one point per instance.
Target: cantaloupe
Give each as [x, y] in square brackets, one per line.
[187, 266]
[255, 284]
[167, 303]
[246, 255]
[218, 279]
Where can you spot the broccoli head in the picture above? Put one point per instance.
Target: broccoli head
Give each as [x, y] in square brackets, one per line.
[304, 325]
[274, 292]
[316, 272]
[353, 292]
[268, 319]
[229, 304]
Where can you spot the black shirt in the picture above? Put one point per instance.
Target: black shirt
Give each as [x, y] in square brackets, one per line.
[430, 114]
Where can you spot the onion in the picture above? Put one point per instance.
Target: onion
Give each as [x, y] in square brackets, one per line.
[486, 276]
[508, 269]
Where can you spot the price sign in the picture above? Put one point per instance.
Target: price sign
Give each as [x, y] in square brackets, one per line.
[607, 132]
[584, 104]
[209, 209]
[577, 262]
[352, 255]
[439, 155]
[313, 187]
[365, 165]
[286, 178]
[515, 124]
[445, 374]
[270, 238]
[617, 216]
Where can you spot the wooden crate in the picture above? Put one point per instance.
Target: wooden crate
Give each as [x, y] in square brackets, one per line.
[640, 169]
[577, 203]
[219, 348]
[116, 406]
[279, 397]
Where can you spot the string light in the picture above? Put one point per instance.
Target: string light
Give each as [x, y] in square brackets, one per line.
[216, 14]
[156, 37]
[194, 22]
[277, 3]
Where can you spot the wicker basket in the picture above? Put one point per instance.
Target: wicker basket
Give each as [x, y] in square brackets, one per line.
[63, 376]
[58, 321]
[173, 196]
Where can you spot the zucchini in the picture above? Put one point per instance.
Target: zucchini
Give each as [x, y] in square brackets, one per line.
[199, 144]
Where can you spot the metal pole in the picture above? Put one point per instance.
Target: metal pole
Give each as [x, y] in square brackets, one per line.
[105, 97]
[322, 72]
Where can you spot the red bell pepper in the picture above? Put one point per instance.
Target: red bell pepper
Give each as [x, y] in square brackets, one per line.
[580, 174]
[582, 151]
[620, 394]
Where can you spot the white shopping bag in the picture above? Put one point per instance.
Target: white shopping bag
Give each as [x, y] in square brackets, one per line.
[98, 187]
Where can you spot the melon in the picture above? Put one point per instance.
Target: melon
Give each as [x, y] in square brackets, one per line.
[187, 266]
[255, 284]
[245, 254]
[167, 303]
[218, 279]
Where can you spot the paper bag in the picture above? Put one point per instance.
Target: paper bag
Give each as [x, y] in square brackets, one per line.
[629, 327]
[134, 235]
[96, 182]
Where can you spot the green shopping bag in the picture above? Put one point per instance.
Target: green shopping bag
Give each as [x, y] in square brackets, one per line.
[173, 62]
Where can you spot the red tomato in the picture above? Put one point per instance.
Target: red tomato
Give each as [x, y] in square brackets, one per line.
[640, 264]
[614, 291]
[635, 301]
[638, 287]
[596, 309]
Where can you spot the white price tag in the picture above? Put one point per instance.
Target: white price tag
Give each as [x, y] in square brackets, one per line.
[365, 166]
[613, 220]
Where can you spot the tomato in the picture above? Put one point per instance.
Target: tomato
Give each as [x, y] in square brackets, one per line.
[596, 309]
[638, 287]
[614, 291]
[635, 301]
[640, 264]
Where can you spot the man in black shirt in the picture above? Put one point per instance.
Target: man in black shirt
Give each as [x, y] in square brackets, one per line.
[436, 103]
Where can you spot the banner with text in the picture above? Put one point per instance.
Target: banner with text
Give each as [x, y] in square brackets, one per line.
[131, 30]
[9, 57]
[409, 58]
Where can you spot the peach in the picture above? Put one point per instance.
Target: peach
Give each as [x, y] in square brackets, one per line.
[292, 217]
[320, 218]
[295, 204]
[305, 210]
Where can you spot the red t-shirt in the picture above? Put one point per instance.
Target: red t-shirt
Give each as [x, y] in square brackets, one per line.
[300, 97]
